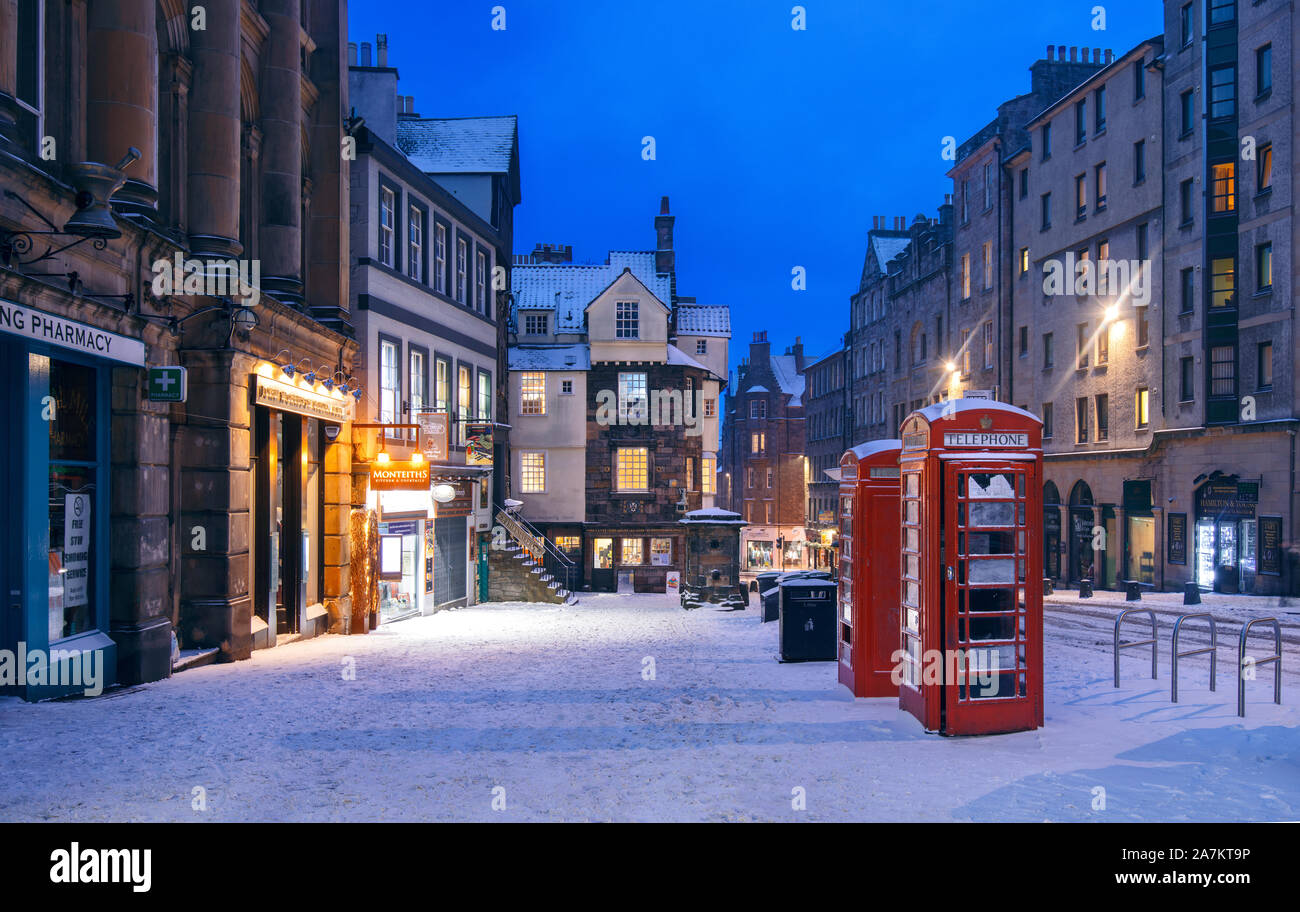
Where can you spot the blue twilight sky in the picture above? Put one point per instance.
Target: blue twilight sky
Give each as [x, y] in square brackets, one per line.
[776, 146]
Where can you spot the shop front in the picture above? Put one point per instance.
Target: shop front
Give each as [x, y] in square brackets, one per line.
[1227, 535]
[55, 540]
[293, 424]
[634, 560]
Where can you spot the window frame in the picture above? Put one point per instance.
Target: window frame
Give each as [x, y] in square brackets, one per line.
[532, 394]
[619, 487]
[627, 320]
[526, 470]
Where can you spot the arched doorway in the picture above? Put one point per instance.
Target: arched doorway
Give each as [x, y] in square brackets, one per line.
[1051, 531]
[1082, 520]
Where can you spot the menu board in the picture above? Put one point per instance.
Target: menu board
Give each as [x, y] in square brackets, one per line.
[1270, 545]
[1178, 538]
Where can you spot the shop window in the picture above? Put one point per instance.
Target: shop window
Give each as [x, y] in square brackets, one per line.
[604, 553]
[632, 469]
[758, 555]
[661, 552]
[532, 393]
[73, 500]
[569, 544]
[631, 552]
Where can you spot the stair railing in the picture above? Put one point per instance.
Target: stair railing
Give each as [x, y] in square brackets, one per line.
[538, 546]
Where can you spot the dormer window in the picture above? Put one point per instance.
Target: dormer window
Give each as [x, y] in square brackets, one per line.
[535, 324]
[627, 320]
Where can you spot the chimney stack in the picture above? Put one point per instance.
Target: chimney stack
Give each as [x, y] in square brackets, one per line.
[1110, 56]
[665, 259]
[1060, 53]
[365, 53]
[1096, 55]
[381, 50]
[352, 53]
[1051, 52]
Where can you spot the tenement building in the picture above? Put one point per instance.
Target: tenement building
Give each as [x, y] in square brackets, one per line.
[614, 384]
[765, 472]
[826, 437]
[1087, 306]
[432, 217]
[173, 327]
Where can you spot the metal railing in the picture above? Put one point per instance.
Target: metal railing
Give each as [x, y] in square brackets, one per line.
[539, 547]
[1276, 659]
[1212, 649]
[1151, 642]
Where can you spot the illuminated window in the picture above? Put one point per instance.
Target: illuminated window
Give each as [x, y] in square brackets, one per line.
[1223, 279]
[708, 475]
[1142, 405]
[690, 474]
[710, 408]
[965, 276]
[1223, 181]
[632, 551]
[464, 399]
[661, 551]
[627, 321]
[632, 469]
[1024, 260]
[532, 471]
[484, 396]
[632, 401]
[1264, 266]
[569, 544]
[758, 442]
[1266, 168]
[532, 393]
[442, 388]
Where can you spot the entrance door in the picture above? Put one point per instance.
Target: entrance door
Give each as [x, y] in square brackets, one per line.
[450, 559]
[602, 571]
[1247, 550]
[990, 632]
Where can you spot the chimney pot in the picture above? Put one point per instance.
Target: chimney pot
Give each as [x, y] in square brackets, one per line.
[1110, 55]
[352, 53]
[365, 53]
[663, 205]
[1060, 53]
[1051, 52]
[1096, 55]
[1074, 54]
[381, 50]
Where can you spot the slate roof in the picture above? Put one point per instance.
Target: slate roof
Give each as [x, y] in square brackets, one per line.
[549, 357]
[459, 145]
[703, 320]
[887, 248]
[568, 289]
[786, 371]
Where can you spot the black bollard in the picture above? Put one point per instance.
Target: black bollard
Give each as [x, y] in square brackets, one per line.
[1047, 586]
[1191, 594]
[1085, 588]
[1132, 591]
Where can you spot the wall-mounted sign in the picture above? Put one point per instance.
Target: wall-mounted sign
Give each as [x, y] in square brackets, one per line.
[390, 557]
[286, 397]
[460, 505]
[1177, 538]
[433, 435]
[994, 439]
[168, 384]
[40, 326]
[478, 445]
[1270, 545]
[1227, 499]
[399, 476]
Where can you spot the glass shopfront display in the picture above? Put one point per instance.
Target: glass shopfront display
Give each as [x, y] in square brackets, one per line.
[758, 555]
[401, 597]
[1227, 534]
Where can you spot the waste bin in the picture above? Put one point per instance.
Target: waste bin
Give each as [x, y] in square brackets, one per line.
[770, 592]
[767, 586]
[807, 625]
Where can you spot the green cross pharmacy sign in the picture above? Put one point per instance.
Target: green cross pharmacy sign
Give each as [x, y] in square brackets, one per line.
[167, 384]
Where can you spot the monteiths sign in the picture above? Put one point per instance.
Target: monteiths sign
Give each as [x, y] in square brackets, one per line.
[289, 398]
[40, 326]
[399, 476]
[985, 439]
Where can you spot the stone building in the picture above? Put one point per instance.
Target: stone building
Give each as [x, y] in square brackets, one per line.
[614, 383]
[764, 469]
[432, 220]
[869, 339]
[1086, 307]
[224, 516]
[827, 428]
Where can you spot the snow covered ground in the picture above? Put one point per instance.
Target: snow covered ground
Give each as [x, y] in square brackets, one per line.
[546, 709]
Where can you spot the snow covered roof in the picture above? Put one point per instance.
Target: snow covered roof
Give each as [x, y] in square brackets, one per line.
[786, 370]
[703, 320]
[567, 289]
[459, 145]
[679, 357]
[938, 410]
[886, 248]
[758, 389]
[714, 515]
[872, 447]
[549, 357]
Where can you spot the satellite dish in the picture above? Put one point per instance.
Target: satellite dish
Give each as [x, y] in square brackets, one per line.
[444, 493]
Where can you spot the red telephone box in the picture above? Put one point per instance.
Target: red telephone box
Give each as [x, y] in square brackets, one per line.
[971, 580]
[869, 537]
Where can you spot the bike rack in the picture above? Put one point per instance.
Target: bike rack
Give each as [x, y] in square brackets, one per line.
[1212, 649]
[1276, 659]
[1151, 642]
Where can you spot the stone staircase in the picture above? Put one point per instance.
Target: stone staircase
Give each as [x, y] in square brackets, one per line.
[514, 576]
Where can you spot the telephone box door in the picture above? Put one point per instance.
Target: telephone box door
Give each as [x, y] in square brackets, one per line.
[992, 624]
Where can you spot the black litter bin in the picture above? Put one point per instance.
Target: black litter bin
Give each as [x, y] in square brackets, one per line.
[770, 592]
[807, 627]
[767, 586]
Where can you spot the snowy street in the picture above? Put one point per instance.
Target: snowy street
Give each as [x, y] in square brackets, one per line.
[546, 710]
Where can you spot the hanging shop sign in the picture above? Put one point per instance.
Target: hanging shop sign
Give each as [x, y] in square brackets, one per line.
[461, 505]
[1270, 545]
[433, 435]
[399, 476]
[40, 326]
[168, 383]
[286, 397]
[478, 445]
[1178, 538]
